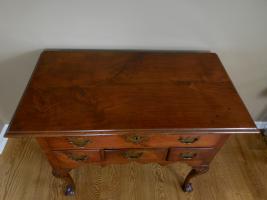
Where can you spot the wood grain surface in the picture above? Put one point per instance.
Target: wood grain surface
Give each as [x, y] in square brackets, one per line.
[238, 172]
[81, 92]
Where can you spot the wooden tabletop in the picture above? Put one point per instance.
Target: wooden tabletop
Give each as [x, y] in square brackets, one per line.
[83, 92]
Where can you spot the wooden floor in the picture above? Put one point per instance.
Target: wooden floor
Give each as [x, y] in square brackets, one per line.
[239, 171]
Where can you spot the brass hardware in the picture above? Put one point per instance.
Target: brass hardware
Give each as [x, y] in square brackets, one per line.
[132, 154]
[79, 142]
[188, 140]
[77, 158]
[136, 139]
[188, 155]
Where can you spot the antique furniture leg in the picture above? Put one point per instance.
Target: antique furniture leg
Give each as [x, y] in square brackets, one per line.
[64, 174]
[57, 170]
[187, 186]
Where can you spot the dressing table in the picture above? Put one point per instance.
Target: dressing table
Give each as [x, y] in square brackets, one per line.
[105, 106]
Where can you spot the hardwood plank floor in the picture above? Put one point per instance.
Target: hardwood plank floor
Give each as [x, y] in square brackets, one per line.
[239, 171]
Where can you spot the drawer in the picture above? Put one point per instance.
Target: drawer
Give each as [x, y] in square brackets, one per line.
[192, 155]
[136, 141]
[74, 158]
[142, 155]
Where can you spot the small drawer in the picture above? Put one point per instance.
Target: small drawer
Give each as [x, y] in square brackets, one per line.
[142, 155]
[163, 140]
[74, 158]
[204, 155]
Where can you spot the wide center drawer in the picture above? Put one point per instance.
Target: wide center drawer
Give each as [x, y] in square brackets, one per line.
[142, 155]
[135, 141]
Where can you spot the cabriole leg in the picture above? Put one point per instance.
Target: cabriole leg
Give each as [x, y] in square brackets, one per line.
[187, 186]
[64, 174]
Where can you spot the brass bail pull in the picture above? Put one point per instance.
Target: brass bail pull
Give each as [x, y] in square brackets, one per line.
[132, 154]
[79, 142]
[188, 140]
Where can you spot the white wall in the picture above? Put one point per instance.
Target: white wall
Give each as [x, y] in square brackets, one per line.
[1, 126]
[235, 29]
[3, 141]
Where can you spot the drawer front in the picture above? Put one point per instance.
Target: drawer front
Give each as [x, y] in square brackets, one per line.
[192, 155]
[75, 158]
[135, 141]
[142, 155]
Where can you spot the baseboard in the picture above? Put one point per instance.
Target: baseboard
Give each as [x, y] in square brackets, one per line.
[261, 124]
[3, 140]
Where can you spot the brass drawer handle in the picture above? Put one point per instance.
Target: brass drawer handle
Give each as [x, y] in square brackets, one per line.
[136, 139]
[77, 158]
[79, 142]
[188, 140]
[187, 155]
[131, 155]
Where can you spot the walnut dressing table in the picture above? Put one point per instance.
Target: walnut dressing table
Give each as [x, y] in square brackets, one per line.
[86, 106]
